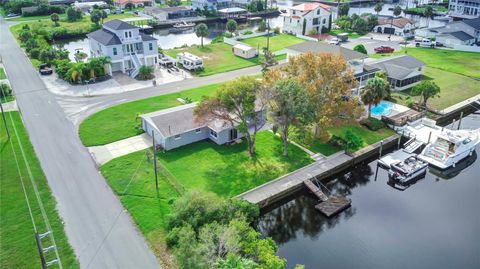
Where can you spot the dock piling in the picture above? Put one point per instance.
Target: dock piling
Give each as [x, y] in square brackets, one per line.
[460, 120]
[429, 136]
[381, 148]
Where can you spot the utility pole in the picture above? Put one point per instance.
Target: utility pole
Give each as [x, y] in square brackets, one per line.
[40, 251]
[268, 34]
[5, 121]
[155, 161]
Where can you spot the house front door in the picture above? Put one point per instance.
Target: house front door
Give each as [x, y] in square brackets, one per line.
[233, 134]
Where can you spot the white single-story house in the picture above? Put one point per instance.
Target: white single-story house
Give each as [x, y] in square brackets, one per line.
[455, 38]
[134, 3]
[178, 126]
[403, 71]
[244, 51]
[88, 6]
[395, 26]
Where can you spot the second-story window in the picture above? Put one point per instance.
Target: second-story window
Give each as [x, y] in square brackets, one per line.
[114, 51]
[324, 20]
[150, 46]
[129, 34]
[126, 34]
[318, 11]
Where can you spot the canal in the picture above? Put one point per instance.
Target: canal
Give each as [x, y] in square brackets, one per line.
[435, 223]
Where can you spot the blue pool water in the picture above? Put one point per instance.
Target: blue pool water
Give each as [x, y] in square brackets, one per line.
[382, 109]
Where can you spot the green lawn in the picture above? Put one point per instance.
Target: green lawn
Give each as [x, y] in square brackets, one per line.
[277, 42]
[460, 62]
[454, 88]
[121, 121]
[63, 17]
[369, 137]
[218, 58]
[18, 247]
[351, 34]
[325, 148]
[2, 73]
[226, 170]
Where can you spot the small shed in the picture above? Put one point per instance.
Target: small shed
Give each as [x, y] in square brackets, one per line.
[244, 51]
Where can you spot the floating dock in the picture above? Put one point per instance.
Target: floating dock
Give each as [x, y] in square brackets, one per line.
[329, 206]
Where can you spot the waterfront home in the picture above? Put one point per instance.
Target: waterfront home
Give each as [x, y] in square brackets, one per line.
[354, 59]
[470, 27]
[211, 4]
[170, 13]
[178, 126]
[464, 8]
[244, 51]
[403, 71]
[307, 17]
[395, 26]
[452, 39]
[126, 46]
[121, 4]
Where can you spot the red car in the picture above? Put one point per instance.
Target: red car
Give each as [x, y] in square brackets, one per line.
[384, 49]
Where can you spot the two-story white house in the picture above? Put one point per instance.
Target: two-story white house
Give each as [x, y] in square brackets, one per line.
[126, 46]
[216, 4]
[303, 18]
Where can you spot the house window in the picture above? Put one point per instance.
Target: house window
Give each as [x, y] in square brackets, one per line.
[318, 11]
[126, 34]
[213, 133]
[114, 51]
[150, 46]
[177, 137]
[129, 34]
[198, 130]
[324, 20]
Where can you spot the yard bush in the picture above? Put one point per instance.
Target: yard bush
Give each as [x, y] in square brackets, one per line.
[372, 124]
[45, 10]
[337, 141]
[35, 53]
[5, 90]
[352, 141]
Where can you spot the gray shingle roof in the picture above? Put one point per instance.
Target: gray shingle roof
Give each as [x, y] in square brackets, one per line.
[474, 23]
[460, 35]
[173, 121]
[105, 37]
[147, 37]
[313, 46]
[119, 25]
[398, 67]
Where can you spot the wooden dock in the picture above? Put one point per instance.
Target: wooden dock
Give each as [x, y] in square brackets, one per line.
[329, 206]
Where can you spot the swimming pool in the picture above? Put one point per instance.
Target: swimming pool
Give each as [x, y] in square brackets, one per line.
[384, 108]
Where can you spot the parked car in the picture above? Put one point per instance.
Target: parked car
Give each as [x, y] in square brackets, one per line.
[438, 44]
[118, 11]
[424, 43]
[9, 15]
[343, 37]
[384, 49]
[45, 69]
[334, 41]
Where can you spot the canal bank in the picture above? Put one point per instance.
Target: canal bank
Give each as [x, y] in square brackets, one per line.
[432, 224]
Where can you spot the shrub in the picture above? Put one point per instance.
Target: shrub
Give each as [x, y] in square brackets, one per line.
[62, 67]
[276, 30]
[409, 102]
[248, 32]
[372, 124]
[145, 72]
[352, 141]
[35, 53]
[337, 141]
[5, 90]
[360, 48]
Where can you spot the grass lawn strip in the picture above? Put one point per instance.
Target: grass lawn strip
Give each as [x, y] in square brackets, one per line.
[121, 121]
[454, 88]
[218, 58]
[276, 43]
[18, 247]
[2, 73]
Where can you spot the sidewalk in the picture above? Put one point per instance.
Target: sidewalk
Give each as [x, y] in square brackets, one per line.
[105, 153]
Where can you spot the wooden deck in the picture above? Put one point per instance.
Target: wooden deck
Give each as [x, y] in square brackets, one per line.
[329, 206]
[402, 118]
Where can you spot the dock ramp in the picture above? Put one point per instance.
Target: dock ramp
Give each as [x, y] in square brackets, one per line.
[329, 206]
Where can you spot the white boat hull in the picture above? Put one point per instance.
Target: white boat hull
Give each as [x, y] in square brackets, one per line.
[451, 160]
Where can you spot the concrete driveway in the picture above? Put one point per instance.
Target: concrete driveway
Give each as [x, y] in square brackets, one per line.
[105, 153]
[372, 41]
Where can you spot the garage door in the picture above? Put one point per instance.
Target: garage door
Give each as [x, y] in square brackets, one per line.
[388, 30]
[116, 67]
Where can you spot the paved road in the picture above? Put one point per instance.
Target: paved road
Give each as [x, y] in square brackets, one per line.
[78, 108]
[99, 229]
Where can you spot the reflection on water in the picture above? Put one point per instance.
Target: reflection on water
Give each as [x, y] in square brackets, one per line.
[433, 224]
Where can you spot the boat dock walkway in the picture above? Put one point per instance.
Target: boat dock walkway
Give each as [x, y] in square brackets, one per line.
[329, 206]
[281, 187]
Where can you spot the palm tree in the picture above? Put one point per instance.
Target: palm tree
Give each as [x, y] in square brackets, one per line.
[94, 66]
[55, 18]
[76, 72]
[145, 72]
[105, 62]
[231, 26]
[378, 7]
[373, 92]
[428, 12]
[201, 31]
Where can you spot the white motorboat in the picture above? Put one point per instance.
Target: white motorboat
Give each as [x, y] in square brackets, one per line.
[450, 147]
[407, 170]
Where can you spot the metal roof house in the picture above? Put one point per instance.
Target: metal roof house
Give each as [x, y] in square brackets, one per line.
[403, 71]
[126, 46]
[178, 126]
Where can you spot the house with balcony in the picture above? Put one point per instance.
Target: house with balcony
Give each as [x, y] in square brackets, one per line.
[307, 17]
[354, 59]
[126, 46]
[466, 9]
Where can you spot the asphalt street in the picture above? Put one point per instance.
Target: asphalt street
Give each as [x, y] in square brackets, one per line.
[100, 231]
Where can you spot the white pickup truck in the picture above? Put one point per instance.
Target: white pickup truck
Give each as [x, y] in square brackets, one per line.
[425, 43]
